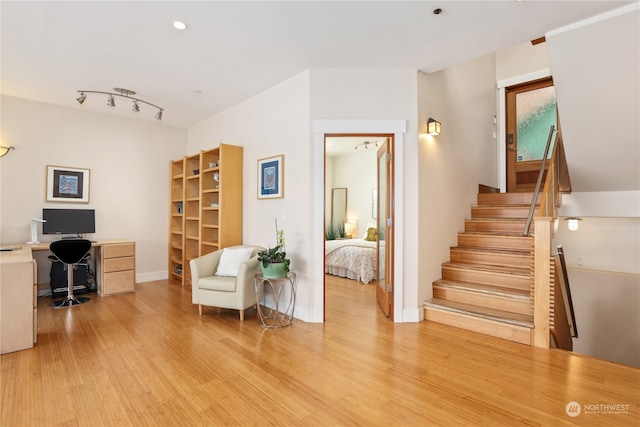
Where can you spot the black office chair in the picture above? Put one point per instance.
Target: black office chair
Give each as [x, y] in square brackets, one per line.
[70, 252]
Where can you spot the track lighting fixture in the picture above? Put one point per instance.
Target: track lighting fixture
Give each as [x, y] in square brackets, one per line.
[124, 93]
[365, 145]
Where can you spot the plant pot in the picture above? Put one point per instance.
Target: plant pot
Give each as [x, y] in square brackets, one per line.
[275, 270]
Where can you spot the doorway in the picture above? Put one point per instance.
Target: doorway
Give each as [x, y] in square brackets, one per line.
[530, 112]
[359, 201]
[397, 128]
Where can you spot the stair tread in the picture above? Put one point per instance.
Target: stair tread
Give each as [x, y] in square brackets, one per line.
[497, 251]
[488, 268]
[497, 219]
[483, 288]
[482, 312]
[503, 205]
[496, 234]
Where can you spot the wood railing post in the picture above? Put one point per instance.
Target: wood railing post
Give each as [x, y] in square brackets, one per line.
[541, 280]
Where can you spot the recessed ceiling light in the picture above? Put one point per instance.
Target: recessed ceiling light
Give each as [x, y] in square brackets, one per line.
[179, 25]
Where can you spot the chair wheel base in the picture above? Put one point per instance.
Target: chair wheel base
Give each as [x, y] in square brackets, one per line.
[68, 302]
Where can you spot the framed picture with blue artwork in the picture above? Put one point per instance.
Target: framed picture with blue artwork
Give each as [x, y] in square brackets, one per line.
[271, 177]
[66, 184]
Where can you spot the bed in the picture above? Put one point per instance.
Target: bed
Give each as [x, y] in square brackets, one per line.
[351, 258]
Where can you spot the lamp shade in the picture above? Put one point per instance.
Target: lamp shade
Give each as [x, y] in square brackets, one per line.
[5, 150]
[573, 223]
[433, 127]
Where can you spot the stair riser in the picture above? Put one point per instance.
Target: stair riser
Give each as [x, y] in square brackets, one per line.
[482, 299]
[494, 226]
[505, 260]
[495, 242]
[505, 198]
[501, 212]
[477, 324]
[510, 281]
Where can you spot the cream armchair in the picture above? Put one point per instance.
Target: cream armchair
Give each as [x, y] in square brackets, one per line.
[225, 291]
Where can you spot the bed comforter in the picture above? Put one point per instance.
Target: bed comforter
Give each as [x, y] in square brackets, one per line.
[352, 258]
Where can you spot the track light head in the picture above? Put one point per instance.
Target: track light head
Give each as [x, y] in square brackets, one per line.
[136, 107]
[111, 102]
[81, 98]
[159, 114]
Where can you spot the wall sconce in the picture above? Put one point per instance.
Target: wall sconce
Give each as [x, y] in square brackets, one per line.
[433, 127]
[5, 150]
[573, 223]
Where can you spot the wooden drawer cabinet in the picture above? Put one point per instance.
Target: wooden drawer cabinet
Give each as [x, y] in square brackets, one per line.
[118, 269]
[18, 312]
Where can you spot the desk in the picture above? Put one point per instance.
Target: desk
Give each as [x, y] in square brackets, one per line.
[283, 291]
[115, 270]
[115, 265]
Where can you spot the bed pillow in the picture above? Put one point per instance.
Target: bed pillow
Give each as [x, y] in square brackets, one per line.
[366, 230]
[372, 234]
[231, 259]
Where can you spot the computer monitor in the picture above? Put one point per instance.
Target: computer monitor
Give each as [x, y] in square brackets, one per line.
[68, 221]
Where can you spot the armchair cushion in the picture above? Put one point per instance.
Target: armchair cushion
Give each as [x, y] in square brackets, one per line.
[218, 283]
[231, 259]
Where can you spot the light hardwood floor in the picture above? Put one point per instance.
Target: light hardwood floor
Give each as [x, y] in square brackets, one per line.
[148, 359]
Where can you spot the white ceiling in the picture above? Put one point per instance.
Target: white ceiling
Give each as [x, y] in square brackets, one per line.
[233, 50]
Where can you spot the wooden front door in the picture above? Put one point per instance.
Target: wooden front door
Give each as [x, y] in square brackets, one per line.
[531, 110]
[384, 288]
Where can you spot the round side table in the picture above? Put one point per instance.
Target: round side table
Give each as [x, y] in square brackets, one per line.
[283, 291]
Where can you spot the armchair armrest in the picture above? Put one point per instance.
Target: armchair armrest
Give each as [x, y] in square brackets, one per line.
[245, 286]
[205, 265]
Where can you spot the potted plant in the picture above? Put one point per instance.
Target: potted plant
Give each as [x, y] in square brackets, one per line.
[273, 261]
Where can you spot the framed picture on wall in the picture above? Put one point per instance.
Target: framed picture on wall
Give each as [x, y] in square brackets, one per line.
[65, 184]
[271, 177]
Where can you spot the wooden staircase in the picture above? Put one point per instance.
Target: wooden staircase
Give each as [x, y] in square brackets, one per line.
[486, 285]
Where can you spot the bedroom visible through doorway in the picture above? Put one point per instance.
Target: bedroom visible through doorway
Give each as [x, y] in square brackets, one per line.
[352, 219]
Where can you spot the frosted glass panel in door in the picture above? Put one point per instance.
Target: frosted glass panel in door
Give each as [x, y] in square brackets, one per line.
[535, 113]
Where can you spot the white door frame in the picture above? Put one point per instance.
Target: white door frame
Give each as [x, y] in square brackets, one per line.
[319, 128]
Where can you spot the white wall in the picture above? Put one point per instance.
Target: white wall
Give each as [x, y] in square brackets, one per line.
[378, 97]
[128, 160]
[605, 244]
[277, 121]
[358, 173]
[607, 315]
[520, 60]
[271, 123]
[596, 72]
[453, 163]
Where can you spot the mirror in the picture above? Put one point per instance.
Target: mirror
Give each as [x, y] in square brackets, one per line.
[338, 206]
